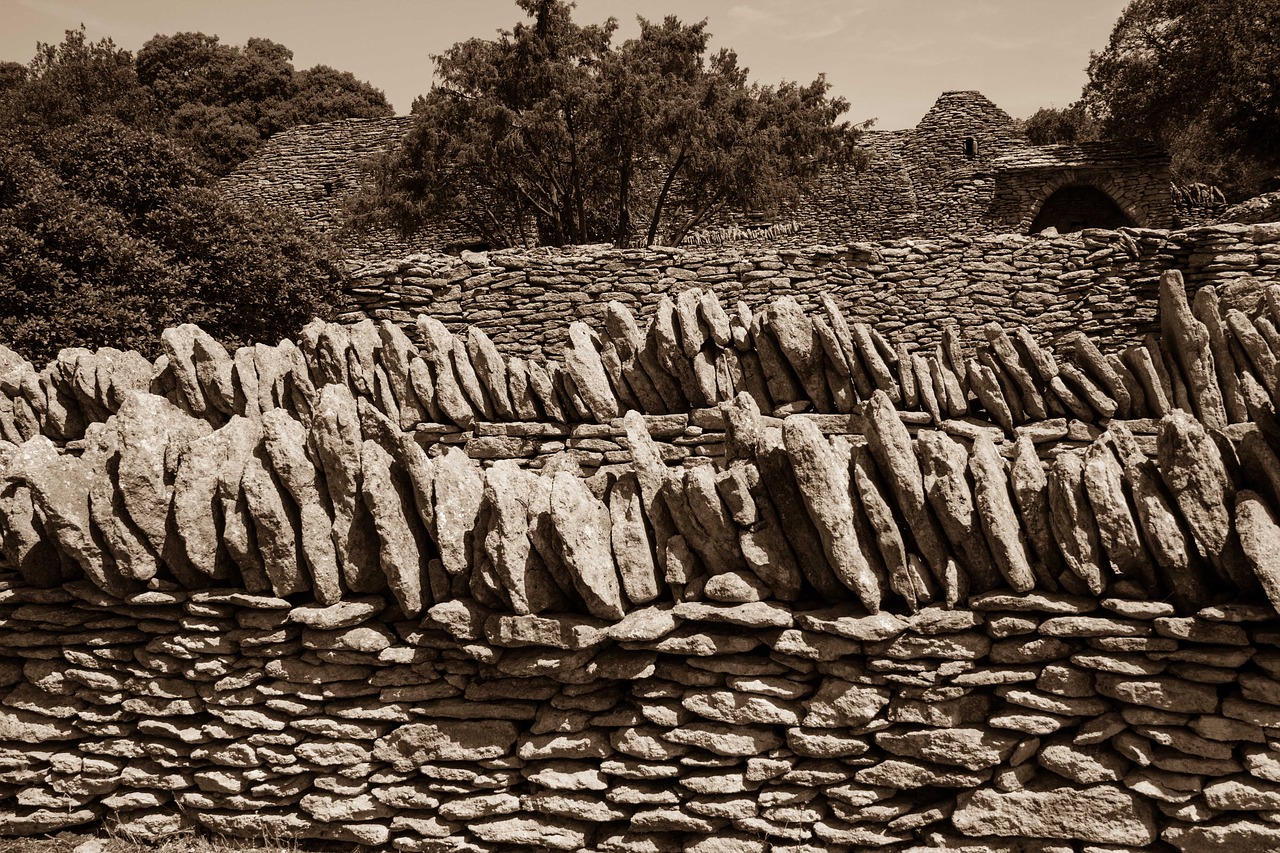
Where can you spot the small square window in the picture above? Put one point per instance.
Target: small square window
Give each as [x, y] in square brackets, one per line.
[970, 147]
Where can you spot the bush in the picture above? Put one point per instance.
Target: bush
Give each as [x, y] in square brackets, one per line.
[107, 246]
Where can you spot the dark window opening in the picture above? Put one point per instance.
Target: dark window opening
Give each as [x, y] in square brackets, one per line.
[1079, 206]
[970, 147]
[328, 188]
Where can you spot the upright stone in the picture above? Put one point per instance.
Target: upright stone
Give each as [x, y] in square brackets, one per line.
[917, 588]
[396, 355]
[60, 484]
[1031, 491]
[1032, 400]
[1072, 522]
[582, 361]
[335, 440]
[362, 356]
[508, 491]
[213, 370]
[437, 354]
[153, 434]
[945, 466]
[632, 549]
[469, 382]
[651, 475]
[400, 549]
[277, 534]
[1188, 341]
[584, 530]
[801, 347]
[286, 440]
[1104, 485]
[178, 343]
[1192, 467]
[1096, 366]
[458, 492]
[1162, 527]
[1205, 309]
[1260, 537]
[999, 520]
[891, 447]
[825, 487]
[778, 475]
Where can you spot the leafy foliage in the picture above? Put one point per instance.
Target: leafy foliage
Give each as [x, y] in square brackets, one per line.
[220, 101]
[110, 242]
[1050, 126]
[1200, 78]
[68, 82]
[223, 101]
[108, 228]
[552, 134]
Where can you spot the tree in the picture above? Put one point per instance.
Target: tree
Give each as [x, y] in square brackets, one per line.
[551, 133]
[108, 237]
[224, 101]
[109, 230]
[68, 82]
[1049, 126]
[1198, 77]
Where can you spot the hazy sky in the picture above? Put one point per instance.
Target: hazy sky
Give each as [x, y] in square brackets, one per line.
[889, 58]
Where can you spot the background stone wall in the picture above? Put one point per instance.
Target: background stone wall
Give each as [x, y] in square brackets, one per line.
[431, 596]
[1099, 282]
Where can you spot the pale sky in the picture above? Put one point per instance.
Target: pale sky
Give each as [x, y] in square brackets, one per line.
[889, 58]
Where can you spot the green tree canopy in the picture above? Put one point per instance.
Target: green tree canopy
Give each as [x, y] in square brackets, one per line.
[1200, 78]
[108, 237]
[1050, 125]
[223, 101]
[109, 230]
[551, 133]
[220, 101]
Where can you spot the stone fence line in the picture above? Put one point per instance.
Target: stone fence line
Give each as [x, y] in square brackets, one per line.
[749, 580]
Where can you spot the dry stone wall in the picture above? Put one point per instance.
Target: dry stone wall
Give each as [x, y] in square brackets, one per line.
[434, 597]
[1102, 283]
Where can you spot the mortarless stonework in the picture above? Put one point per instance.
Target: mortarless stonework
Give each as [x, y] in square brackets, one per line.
[820, 591]
[1102, 283]
[965, 168]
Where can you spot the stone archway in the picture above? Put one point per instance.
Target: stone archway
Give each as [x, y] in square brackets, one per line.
[1076, 206]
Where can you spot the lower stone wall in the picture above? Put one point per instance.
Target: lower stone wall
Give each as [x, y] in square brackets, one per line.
[1033, 722]
[832, 594]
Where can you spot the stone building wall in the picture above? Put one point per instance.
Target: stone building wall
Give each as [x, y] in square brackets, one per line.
[812, 589]
[1099, 282]
[917, 182]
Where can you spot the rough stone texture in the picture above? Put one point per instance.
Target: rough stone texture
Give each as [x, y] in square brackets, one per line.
[622, 635]
[1104, 814]
[825, 487]
[400, 554]
[584, 530]
[285, 441]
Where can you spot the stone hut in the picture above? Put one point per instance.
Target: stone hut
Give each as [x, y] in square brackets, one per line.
[965, 168]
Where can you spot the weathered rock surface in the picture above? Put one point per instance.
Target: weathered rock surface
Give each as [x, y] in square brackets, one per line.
[1103, 814]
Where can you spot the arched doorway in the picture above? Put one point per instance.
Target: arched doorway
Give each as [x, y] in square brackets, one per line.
[1078, 206]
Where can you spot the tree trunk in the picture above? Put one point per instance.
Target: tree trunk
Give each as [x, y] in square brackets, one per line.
[622, 230]
[662, 198]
